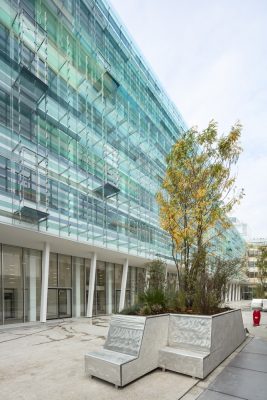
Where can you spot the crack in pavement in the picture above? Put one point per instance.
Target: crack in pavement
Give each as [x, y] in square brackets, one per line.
[51, 340]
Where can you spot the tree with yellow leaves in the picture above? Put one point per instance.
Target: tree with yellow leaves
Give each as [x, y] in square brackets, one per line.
[261, 265]
[197, 192]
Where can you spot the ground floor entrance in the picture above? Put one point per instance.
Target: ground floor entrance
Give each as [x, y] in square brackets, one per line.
[68, 285]
[59, 303]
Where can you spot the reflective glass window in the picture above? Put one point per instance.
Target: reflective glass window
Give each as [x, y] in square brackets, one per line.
[64, 265]
[12, 284]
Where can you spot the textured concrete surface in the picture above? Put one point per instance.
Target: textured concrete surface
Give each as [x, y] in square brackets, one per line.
[46, 362]
[139, 338]
[252, 355]
[244, 377]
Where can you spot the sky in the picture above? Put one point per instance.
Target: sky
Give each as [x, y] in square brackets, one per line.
[210, 56]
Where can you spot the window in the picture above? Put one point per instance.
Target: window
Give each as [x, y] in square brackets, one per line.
[4, 107]
[4, 39]
[26, 183]
[4, 174]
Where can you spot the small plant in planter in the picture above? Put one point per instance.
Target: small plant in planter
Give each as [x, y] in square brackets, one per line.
[206, 298]
[153, 299]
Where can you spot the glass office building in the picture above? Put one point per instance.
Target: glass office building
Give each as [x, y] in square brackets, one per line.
[84, 131]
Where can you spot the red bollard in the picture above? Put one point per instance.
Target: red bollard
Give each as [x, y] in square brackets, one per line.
[256, 317]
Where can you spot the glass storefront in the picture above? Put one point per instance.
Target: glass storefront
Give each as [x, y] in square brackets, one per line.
[80, 267]
[68, 282]
[12, 284]
[32, 262]
[59, 299]
[100, 289]
[118, 278]
[247, 292]
[20, 285]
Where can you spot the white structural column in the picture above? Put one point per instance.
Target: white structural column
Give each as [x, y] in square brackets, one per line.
[45, 274]
[228, 293]
[91, 287]
[32, 289]
[239, 293]
[77, 290]
[109, 287]
[123, 284]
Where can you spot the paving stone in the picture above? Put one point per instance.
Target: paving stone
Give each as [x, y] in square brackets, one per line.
[256, 345]
[254, 361]
[211, 395]
[243, 383]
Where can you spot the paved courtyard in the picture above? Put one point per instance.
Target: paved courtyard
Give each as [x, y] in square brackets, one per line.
[46, 362]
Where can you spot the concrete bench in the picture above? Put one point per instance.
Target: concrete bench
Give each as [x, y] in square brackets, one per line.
[128, 352]
[198, 344]
[189, 344]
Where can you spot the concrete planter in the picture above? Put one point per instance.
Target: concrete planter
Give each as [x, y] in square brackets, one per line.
[188, 344]
[197, 344]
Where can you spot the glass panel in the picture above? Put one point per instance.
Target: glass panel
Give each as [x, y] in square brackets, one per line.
[87, 277]
[140, 281]
[100, 288]
[78, 287]
[110, 301]
[64, 303]
[52, 281]
[64, 266]
[127, 303]
[117, 300]
[1, 288]
[171, 281]
[132, 272]
[52, 304]
[32, 261]
[13, 284]
[128, 282]
[118, 278]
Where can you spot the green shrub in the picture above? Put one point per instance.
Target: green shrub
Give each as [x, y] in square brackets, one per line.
[153, 296]
[133, 310]
[145, 310]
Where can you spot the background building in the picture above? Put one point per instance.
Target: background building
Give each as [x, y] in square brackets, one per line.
[242, 228]
[254, 247]
[84, 131]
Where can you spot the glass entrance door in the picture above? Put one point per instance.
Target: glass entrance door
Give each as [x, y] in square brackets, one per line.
[59, 303]
[12, 284]
[64, 303]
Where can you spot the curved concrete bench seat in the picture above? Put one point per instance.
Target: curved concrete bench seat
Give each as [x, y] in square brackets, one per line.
[112, 356]
[192, 360]
[188, 344]
[107, 365]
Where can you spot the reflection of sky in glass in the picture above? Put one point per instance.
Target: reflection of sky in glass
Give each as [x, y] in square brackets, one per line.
[210, 57]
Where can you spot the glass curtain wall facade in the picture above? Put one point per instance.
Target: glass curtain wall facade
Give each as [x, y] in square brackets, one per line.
[84, 127]
[84, 131]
